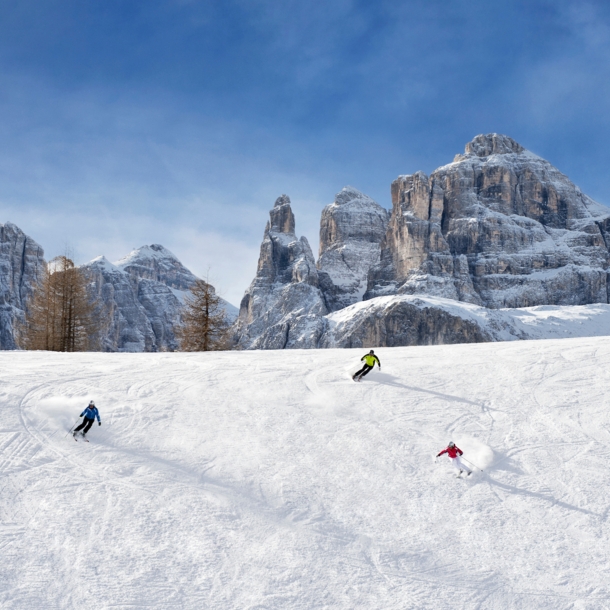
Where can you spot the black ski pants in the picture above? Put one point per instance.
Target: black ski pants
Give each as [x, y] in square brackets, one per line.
[87, 423]
[364, 370]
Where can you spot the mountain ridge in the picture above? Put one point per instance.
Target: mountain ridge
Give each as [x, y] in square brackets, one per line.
[498, 227]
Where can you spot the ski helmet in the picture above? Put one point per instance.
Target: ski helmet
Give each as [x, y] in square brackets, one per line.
[451, 444]
[371, 352]
[91, 403]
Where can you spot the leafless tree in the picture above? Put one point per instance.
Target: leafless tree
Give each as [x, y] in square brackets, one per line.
[60, 315]
[204, 321]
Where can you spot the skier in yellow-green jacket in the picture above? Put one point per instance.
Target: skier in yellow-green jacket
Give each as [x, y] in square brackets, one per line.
[369, 363]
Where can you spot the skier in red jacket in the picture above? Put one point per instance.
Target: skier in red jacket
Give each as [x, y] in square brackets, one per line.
[454, 452]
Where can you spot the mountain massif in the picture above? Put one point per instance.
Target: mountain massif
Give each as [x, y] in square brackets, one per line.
[499, 227]
[141, 295]
[459, 256]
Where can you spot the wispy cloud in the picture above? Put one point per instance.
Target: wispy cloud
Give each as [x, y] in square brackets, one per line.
[180, 122]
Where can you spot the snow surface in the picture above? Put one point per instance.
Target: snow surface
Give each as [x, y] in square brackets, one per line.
[104, 263]
[510, 324]
[270, 480]
[159, 253]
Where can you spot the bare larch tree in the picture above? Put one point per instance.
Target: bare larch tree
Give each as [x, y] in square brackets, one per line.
[60, 315]
[204, 322]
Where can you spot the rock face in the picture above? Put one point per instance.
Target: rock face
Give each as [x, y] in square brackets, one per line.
[21, 267]
[284, 306]
[425, 320]
[141, 313]
[499, 227]
[399, 321]
[143, 295]
[158, 264]
[351, 231]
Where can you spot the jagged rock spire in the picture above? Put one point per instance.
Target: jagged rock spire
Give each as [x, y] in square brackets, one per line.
[283, 305]
[282, 218]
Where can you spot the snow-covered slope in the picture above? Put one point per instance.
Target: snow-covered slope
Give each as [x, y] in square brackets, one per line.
[427, 320]
[290, 486]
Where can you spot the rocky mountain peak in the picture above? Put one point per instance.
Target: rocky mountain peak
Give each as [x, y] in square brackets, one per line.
[284, 298]
[352, 215]
[351, 229]
[492, 144]
[102, 261]
[281, 200]
[157, 263]
[281, 216]
[348, 194]
[501, 227]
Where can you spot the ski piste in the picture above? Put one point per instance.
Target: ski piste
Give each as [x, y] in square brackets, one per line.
[258, 468]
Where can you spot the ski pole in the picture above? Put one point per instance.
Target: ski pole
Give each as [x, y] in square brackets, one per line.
[72, 428]
[463, 458]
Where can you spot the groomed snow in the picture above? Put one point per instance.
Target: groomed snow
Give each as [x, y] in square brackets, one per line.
[270, 480]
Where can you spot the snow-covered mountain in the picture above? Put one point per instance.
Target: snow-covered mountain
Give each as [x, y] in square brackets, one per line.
[289, 486]
[21, 266]
[158, 264]
[143, 294]
[284, 306]
[351, 231]
[499, 227]
[141, 312]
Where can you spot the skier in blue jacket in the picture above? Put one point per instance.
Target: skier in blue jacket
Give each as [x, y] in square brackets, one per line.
[90, 414]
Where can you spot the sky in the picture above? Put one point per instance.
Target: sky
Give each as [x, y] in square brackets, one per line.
[179, 122]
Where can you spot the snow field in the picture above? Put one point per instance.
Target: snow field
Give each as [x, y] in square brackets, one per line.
[270, 480]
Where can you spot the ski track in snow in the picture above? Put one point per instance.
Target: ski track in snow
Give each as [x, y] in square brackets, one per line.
[270, 480]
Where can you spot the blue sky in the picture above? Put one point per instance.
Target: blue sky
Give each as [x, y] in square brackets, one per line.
[125, 123]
